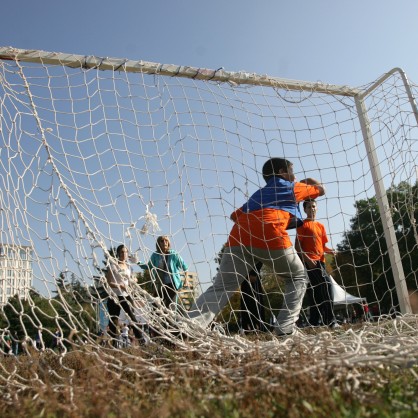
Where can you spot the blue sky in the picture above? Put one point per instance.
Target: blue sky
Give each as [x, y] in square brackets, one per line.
[339, 42]
[345, 43]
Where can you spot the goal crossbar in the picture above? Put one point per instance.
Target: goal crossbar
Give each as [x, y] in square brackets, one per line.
[171, 70]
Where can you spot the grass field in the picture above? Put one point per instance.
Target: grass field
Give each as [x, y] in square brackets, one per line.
[289, 378]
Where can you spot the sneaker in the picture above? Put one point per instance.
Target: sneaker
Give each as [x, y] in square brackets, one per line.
[294, 333]
[217, 328]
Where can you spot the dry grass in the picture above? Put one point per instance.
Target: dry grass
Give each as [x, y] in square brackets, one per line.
[160, 381]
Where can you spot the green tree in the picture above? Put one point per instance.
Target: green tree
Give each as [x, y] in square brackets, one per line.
[363, 263]
[27, 316]
[70, 308]
[145, 282]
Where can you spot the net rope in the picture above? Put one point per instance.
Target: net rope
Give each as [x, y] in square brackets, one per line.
[92, 159]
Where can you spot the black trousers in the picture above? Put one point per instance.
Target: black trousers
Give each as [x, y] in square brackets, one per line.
[320, 294]
[168, 293]
[252, 306]
[125, 303]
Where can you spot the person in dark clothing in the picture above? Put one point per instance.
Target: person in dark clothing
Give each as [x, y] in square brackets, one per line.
[252, 302]
[311, 245]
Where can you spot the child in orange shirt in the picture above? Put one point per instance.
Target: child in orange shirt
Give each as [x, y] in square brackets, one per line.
[311, 245]
[260, 234]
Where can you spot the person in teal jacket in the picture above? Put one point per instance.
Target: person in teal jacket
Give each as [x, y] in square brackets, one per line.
[166, 267]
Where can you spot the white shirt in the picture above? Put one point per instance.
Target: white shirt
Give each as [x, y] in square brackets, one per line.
[120, 276]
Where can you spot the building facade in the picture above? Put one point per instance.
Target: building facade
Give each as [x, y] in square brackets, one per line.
[190, 290]
[16, 274]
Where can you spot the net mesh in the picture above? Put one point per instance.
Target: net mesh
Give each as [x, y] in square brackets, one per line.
[91, 159]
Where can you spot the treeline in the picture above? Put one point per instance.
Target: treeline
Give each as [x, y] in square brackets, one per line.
[72, 308]
[362, 263]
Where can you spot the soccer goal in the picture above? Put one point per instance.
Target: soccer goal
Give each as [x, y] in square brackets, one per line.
[98, 152]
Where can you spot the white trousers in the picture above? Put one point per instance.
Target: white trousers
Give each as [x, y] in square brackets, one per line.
[235, 265]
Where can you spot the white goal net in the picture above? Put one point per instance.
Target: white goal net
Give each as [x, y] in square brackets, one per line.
[98, 152]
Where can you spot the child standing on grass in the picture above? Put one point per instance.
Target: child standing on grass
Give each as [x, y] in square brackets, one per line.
[119, 280]
[311, 243]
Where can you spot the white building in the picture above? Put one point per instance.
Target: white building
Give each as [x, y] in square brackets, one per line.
[15, 271]
[190, 290]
